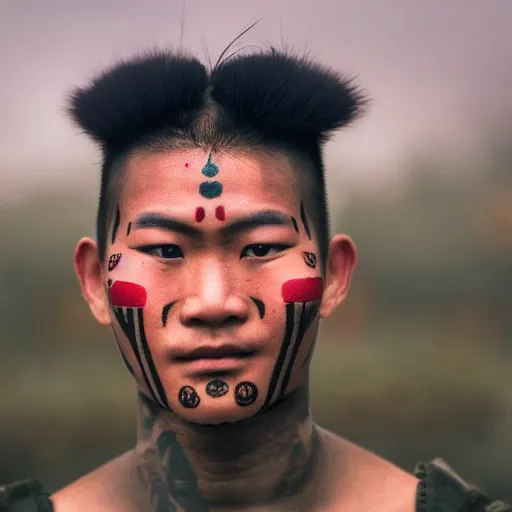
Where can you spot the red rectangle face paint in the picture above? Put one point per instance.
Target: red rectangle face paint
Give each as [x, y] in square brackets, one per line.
[127, 295]
[302, 290]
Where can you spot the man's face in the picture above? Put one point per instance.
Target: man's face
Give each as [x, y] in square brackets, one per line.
[214, 281]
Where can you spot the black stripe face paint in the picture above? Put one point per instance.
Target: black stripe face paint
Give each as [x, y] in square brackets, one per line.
[295, 225]
[148, 359]
[299, 317]
[131, 321]
[304, 219]
[127, 301]
[117, 221]
[290, 314]
[260, 305]
[165, 312]
[308, 312]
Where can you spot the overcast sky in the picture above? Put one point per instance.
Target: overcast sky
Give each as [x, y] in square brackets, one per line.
[434, 69]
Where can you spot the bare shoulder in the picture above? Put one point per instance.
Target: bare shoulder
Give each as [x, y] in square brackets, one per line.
[367, 482]
[105, 489]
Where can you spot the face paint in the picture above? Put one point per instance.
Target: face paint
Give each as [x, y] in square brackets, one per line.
[302, 290]
[309, 259]
[113, 261]
[127, 295]
[117, 220]
[299, 317]
[220, 213]
[246, 393]
[199, 214]
[295, 226]
[210, 169]
[188, 397]
[260, 305]
[131, 322]
[304, 219]
[216, 388]
[129, 228]
[244, 389]
[210, 189]
[302, 298]
[187, 165]
[165, 312]
[127, 300]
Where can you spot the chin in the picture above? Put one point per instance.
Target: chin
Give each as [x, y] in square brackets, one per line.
[216, 413]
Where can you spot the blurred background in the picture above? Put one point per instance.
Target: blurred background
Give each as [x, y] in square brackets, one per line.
[417, 362]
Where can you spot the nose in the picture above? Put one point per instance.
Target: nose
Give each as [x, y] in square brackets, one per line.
[213, 301]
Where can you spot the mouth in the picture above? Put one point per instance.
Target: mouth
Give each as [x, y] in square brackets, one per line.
[214, 353]
[211, 360]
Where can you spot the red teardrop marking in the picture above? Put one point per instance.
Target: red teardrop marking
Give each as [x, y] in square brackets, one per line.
[220, 213]
[302, 290]
[187, 165]
[127, 295]
[199, 214]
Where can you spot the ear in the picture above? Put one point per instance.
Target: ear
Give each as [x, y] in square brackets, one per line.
[89, 270]
[341, 263]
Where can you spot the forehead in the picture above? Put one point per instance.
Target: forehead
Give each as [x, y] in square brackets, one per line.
[173, 178]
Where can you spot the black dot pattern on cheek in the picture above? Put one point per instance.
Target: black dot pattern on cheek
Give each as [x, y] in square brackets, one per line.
[246, 393]
[188, 397]
[216, 388]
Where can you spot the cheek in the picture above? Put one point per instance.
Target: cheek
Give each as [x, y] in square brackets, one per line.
[113, 261]
[302, 290]
[127, 295]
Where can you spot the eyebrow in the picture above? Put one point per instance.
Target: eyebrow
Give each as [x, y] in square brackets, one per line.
[241, 224]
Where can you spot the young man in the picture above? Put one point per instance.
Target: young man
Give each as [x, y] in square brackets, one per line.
[214, 266]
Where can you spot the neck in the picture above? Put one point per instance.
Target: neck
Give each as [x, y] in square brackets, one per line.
[270, 459]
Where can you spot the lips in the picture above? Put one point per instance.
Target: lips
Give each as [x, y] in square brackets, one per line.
[214, 352]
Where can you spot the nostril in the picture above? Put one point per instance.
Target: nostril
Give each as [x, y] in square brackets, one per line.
[196, 322]
[234, 320]
[229, 321]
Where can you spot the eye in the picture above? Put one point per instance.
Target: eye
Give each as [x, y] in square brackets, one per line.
[166, 251]
[263, 250]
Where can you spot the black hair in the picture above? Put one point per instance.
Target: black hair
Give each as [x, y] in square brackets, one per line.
[265, 99]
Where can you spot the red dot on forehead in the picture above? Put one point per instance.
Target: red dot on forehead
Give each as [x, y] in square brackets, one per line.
[187, 165]
[302, 290]
[127, 295]
[199, 214]
[220, 213]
